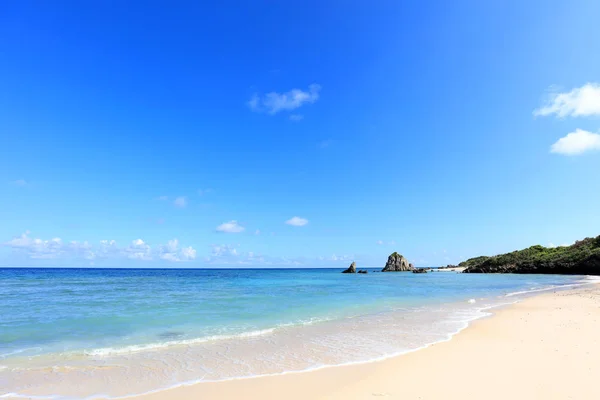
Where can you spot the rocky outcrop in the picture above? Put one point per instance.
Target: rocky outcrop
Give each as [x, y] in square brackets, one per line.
[397, 263]
[419, 271]
[351, 269]
[581, 258]
[362, 271]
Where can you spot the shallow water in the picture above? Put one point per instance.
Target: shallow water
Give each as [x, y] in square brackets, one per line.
[83, 332]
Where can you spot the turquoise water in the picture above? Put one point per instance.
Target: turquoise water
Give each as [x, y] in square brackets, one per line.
[224, 324]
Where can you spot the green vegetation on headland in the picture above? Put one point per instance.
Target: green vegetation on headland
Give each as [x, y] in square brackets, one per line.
[473, 261]
[581, 258]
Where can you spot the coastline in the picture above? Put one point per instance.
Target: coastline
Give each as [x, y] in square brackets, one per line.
[522, 351]
[107, 384]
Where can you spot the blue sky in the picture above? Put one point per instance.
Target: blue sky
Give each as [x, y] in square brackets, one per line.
[295, 134]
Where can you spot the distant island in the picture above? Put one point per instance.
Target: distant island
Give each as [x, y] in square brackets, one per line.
[580, 258]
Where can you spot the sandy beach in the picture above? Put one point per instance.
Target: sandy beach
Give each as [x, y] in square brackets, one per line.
[545, 347]
[454, 269]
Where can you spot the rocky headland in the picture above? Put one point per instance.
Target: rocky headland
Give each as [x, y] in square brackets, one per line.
[580, 258]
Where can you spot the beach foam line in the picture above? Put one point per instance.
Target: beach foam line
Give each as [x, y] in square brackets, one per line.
[156, 346]
[27, 396]
[106, 351]
[12, 353]
[583, 282]
[478, 313]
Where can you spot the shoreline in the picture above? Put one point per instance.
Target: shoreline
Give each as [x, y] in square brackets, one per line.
[360, 380]
[315, 375]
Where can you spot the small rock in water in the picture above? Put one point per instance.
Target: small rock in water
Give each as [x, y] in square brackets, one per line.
[351, 269]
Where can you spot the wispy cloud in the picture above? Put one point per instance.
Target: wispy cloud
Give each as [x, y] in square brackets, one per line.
[230, 227]
[325, 143]
[138, 249]
[202, 192]
[296, 117]
[180, 202]
[20, 182]
[297, 221]
[576, 143]
[162, 198]
[274, 102]
[223, 250]
[339, 258]
[227, 254]
[231, 254]
[579, 102]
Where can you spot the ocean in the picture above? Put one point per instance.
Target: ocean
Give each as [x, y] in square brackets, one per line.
[81, 333]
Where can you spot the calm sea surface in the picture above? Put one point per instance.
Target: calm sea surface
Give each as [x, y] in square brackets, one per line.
[74, 333]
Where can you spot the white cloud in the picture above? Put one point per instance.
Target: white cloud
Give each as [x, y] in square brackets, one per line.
[20, 182]
[380, 242]
[223, 250]
[136, 250]
[172, 252]
[188, 253]
[274, 102]
[297, 221]
[108, 248]
[180, 202]
[576, 143]
[224, 254]
[230, 227]
[579, 102]
[338, 258]
[53, 248]
[296, 117]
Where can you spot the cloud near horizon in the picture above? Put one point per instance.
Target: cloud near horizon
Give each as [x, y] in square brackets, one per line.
[576, 143]
[274, 102]
[579, 102]
[231, 255]
[36, 248]
[109, 253]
